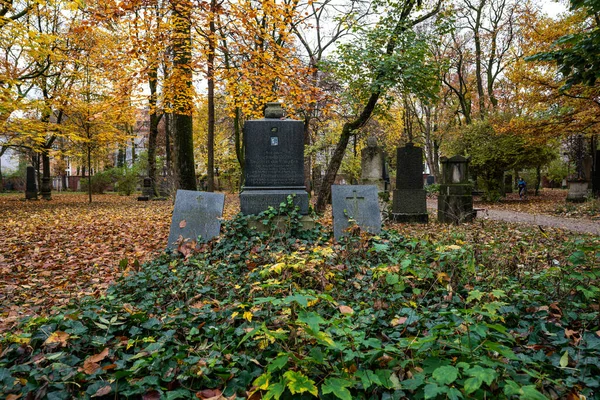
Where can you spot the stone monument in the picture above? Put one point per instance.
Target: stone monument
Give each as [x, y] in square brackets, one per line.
[196, 214]
[455, 201]
[578, 187]
[359, 203]
[508, 183]
[30, 185]
[373, 168]
[147, 192]
[274, 167]
[410, 199]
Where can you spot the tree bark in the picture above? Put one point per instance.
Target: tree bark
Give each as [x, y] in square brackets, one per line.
[153, 133]
[182, 116]
[210, 137]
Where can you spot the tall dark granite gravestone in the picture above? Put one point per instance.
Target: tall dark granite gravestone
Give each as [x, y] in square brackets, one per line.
[357, 202]
[30, 185]
[196, 214]
[455, 201]
[274, 167]
[410, 199]
[508, 183]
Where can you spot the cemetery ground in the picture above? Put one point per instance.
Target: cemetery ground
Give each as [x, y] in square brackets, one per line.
[480, 310]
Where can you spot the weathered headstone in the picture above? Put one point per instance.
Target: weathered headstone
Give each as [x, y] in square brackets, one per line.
[455, 200]
[196, 214]
[147, 192]
[410, 199]
[30, 184]
[357, 202]
[430, 180]
[373, 168]
[274, 166]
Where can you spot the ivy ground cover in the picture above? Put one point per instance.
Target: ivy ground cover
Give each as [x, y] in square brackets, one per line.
[453, 312]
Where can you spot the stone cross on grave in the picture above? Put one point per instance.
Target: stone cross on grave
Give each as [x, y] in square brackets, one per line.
[354, 201]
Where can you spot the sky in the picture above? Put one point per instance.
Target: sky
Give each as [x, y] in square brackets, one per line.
[553, 8]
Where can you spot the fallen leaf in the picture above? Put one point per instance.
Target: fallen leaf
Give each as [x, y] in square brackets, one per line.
[182, 224]
[398, 321]
[346, 310]
[103, 391]
[58, 337]
[90, 365]
[209, 394]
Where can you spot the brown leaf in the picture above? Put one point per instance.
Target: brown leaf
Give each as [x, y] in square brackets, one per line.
[103, 391]
[90, 365]
[151, 395]
[346, 310]
[209, 394]
[57, 337]
[398, 321]
[13, 396]
[182, 224]
[573, 335]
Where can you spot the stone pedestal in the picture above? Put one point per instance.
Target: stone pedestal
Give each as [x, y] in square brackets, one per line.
[455, 201]
[274, 166]
[410, 199]
[578, 191]
[30, 185]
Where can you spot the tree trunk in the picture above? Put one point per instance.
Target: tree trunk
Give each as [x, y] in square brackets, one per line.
[478, 56]
[182, 117]
[153, 133]
[538, 179]
[239, 143]
[210, 145]
[89, 160]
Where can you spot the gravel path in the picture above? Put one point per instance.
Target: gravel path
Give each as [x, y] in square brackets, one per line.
[574, 225]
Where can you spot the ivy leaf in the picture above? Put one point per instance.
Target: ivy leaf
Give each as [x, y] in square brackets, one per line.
[277, 363]
[486, 375]
[531, 393]
[297, 382]
[432, 390]
[368, 378]
[474, 295]
[338, 387]
[275, 391]
[392, 279]
[262, 382]
[472, 384]
[445, 375]
[564, 360]
[312, 319]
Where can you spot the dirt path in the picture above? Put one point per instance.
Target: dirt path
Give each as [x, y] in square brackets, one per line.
[574, 225]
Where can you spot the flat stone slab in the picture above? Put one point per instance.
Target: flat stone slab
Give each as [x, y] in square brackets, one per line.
[357, 202]
[196, 214]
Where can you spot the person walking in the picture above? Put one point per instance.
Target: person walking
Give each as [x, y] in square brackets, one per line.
[522, 185]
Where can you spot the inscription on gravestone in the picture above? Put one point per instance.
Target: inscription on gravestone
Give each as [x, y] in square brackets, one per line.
[357, 202]
[196, 214]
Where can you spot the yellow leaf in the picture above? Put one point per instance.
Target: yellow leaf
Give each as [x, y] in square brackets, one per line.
[398, 321]
[57, 337]
[248, 316]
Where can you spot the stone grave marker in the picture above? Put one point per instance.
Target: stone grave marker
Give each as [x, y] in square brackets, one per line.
[274, 166]
[430, 180]
[410, 199]
[373, 168]
[30, 184]
[455, 200]
[357, 202]
[196, 214]
[147, 192]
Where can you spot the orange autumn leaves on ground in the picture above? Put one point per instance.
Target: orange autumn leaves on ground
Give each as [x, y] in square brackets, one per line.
[67, 248]
[53, 251]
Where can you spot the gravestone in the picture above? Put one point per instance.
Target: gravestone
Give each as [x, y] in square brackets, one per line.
[357, 202]
[147, 192]
[31, 185]
[196, 214]
[410, 199]
[274, 167]
[373, 168]
[430, 180]
[455, 200]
